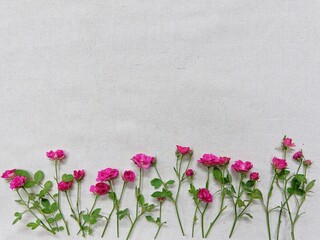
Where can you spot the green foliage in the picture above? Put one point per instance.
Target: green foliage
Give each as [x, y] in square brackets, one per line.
[255, 194]
[67, 177]
[123, 213]
[217, 174]
[24, 173]
[38, 176]
[310, 185]
[156, 183]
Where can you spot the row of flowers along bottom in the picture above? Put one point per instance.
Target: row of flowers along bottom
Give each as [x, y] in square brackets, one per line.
[43, 205]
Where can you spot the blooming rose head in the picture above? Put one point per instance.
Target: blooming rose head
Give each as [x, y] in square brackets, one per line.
[204, 195]
[100, 188]
[107, 174]
[8, 174]
[209, 160]
[298, 156]
[17, 182]
[242, 167]
[56, 155]
[143, 161]
[78, 174]
[254, 176]
[288, 143]
[279, 163]
[65, 186]
[183, 150]
[128, 176]
[224, 161]
[307, 163]
[189, 172]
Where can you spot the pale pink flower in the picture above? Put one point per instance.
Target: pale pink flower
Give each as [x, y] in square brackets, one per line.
[107, 174]
[56, 155]
[204, 195]
[307, 163]
[287, 142]
[143, 161]
[17, 182]
[128, 176]
[9, 174]
[100, 188]
[279, 163]
[242, 167]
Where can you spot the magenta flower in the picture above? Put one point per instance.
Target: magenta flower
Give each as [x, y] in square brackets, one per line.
[242, 167]
[128, 176]
[298, 156]
[307, 163]
[224, 161]
[254, 176]
[78, 174]
[17, 182]
[189, 172]
[279, 163]
[65, 186]
[143, 161]
[183, 150]
[204, 195]
[107, 174]
[288, 143]
[56, 155]
[8, 174]
[209, 160]
[100, 188]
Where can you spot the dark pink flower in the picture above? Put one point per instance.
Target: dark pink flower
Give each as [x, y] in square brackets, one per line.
[100, 188]
[183, 150]
[65, 186]
[78, 174]
[107, 174]
[224, 161]
[128, 176]
[17, 182]
[161, 199]
[279, 163]
[254, 176]
[143, 161]
[298, 156]
[56, 155]
[9, 174]
[189, 172]
[307, 163]
[204, 195]
[242, 167]
[209, 160]
[288, 143]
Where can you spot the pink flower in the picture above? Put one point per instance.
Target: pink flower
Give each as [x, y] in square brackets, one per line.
[17, 182]
[64, 186]
[204, 195]
[224, 161]
[307, 163]
[107, 174]
[242, 167]
[287, 142]
[189, 172]
[9, 174]
[100, 188]
[209, 160]
[143, 161]
[128, 176]
[298, 156]
[254, 176]
[279, 163]
[183, 150]
[78, 174]
[56, 155]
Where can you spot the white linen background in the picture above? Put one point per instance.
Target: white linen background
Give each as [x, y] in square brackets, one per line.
[107, 79]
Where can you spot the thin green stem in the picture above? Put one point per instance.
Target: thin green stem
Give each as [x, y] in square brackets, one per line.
[118, 207]
[235, 206]
[159, 225]
[195, 217]
[267, 206]
[202, 219]
[108, 221]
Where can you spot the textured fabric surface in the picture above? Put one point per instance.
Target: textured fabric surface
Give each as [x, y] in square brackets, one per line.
[107, 79]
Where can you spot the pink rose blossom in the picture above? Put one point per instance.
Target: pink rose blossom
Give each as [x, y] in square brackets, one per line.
[224, 161]
[298, 156]
[287, 142]
[204, 195]
[128, 176]
[78, 174]
[100, 188]
[9, 174]
[189, 172]
[17, 182]
[107, 174]
[242, 167]
[143, 161]
[254, 176]
[307, 163]
[183, 150]
[65, 186]
[209, 160]
[279, 163]
[56, 155]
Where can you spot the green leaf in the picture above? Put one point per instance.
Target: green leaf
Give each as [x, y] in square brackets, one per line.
[96, 212]
[24, 173]
[141, 199]
[51, 220]
[45, 203]
[170, 182]
[150, 219]
[67, 177]
[29, 184]
[48, 185]
[86, 217]
[18, 217]
[299, 192]
[112, 196]
[158, 194]
[301, 178]
[38, 176]
[249, 215]
[46, 210]
[283, 174]
[250, 183]
[290, 190]
[123, 213]
[54, 207]
[168, 194]
[150, 207]
[32, 225]
[42, 193]
[93, 221]
[61, 228]
[58, 217]
[295, 183]
[217, 174]
[310, 185]
[156, 183]
[255, 194]
[240, 203]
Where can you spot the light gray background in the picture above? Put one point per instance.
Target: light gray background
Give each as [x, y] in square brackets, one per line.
[106, 79]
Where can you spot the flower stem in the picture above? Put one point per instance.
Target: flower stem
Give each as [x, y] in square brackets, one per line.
[78, 208]
[235, 206]
[159, 225]
[93, 205]
[118, 207]
[108, 221]
[267, 206]
[202, 220]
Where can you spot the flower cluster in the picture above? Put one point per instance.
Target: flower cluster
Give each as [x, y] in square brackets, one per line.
[236, 181]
